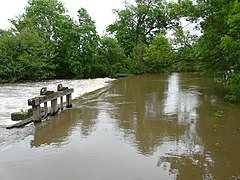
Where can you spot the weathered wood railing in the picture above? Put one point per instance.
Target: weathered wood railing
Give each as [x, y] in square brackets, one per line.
[52, 96]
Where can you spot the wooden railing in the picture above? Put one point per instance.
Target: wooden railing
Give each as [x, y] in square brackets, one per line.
[46, 96]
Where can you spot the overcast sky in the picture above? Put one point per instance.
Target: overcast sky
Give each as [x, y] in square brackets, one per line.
[99, 10]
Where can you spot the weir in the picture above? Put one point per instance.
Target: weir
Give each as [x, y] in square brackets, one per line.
[45, 97]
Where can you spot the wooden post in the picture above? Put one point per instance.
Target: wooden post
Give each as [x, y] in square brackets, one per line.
[36, 113]
[36, 109]
[45, 109]
[54, 107]
[69, 100]
[61, 103]
[52, 96]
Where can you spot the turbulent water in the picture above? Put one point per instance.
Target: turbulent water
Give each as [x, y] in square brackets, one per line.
[14, 96]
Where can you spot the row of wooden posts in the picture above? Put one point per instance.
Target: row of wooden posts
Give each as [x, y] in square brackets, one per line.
[46, 96]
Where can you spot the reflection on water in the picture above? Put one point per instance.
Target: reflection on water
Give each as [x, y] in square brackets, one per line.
[160, 126]
[57, 129]
[180, 102]
[173, 95]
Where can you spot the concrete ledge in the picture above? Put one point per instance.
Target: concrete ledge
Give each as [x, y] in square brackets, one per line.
[17, 116]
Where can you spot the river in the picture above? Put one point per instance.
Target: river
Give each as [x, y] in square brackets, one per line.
[146, 127]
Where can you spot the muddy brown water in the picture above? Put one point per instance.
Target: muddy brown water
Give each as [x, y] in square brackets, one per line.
[147, 127]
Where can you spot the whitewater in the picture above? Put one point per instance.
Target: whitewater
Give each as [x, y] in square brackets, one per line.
[13, 97]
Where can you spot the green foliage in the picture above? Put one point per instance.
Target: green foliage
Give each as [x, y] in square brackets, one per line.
[158, 54]
[218, 113]
[111, 58]
[87, 41]
[8, 67]
[49, 19]
[233, 85]
[137, 56]
[138, 23]
[32, 56]
[23, 57]
[218, 50]
[46, 43]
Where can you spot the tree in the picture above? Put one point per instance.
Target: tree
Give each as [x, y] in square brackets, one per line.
[111, 58]
[44, 42]
[140, 22]
[85, 42]
[158, 56]
[23, 56]
[217, 50]
[230, 43]
[49, 18]
[46, 16]
[9, 68]
[33, 56]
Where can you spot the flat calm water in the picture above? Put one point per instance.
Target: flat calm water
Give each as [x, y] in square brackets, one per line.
[147, 127]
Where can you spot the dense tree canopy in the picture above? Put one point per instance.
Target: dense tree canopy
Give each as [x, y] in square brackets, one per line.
[149, 36]
[139, 22]
[218, 48]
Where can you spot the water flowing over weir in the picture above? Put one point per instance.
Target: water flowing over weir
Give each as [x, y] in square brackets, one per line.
[14, 96]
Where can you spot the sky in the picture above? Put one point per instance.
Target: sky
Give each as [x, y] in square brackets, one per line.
[99, 10]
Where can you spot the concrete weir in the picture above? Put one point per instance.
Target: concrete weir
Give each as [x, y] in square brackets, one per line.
[44, 97]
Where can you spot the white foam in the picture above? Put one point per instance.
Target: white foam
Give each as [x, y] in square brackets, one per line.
[13, 97]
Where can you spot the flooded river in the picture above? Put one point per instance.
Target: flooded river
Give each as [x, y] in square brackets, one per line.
[147, 127]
